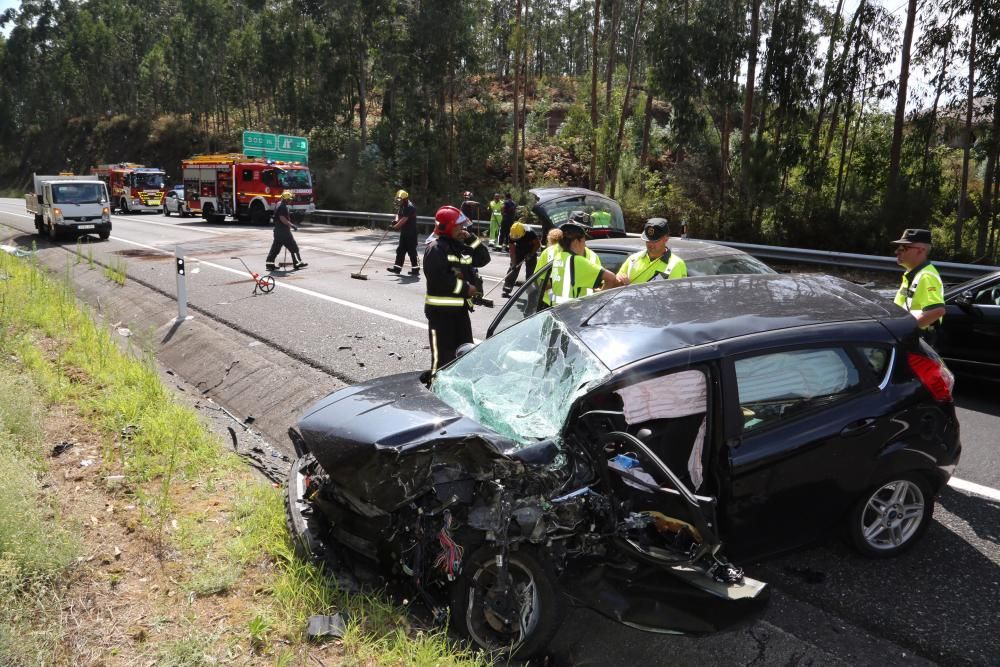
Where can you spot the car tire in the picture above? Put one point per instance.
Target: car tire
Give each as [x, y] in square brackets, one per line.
[104, 235]
[470, 617]
[891, 516]
[258, 214]
[53, 232]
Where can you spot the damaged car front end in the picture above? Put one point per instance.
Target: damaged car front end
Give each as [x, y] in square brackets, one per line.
[506, 488]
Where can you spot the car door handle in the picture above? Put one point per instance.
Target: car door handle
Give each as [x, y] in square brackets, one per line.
[859, 427]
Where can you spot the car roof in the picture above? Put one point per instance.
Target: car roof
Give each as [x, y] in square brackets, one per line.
[548, 194]
[974, 283]
[630, 323]
[687, 249]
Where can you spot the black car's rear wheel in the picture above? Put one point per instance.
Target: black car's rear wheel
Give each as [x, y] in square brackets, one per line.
[891, 517]
[517, 619]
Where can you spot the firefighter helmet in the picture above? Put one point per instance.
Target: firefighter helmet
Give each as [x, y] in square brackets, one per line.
[401, 195]
[517, 231]
[447, 219]
[467, 194]
[286, 195]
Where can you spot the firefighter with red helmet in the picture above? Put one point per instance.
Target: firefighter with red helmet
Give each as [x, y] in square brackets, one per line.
[450, 262]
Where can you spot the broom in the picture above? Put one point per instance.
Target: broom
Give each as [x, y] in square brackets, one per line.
[360, 275]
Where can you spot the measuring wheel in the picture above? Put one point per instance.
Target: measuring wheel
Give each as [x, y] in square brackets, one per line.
[265, 284]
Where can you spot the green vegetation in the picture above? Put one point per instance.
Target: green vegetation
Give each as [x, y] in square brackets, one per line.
[753, 120]
[211, 530]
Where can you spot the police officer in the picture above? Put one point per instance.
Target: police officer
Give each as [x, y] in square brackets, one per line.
[450, 260]
[523, 250]
[921, 292]
[573, 274]
[406, 223]
[283, 235]
[656, 262]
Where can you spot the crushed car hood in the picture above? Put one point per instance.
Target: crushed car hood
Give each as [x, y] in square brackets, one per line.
[391, 439]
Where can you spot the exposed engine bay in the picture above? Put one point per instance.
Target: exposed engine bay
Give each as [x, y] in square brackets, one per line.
[497, 536]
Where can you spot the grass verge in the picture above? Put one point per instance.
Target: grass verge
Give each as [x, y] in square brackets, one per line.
[128, 533]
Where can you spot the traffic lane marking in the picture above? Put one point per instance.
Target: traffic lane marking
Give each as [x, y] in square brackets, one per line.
[977, 489]
[295, 288]
[168, 224]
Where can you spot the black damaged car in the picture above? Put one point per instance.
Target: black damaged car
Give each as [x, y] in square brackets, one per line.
[616, 451]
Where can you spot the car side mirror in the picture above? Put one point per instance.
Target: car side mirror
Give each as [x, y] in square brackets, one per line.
[965, 300]
[464, 349]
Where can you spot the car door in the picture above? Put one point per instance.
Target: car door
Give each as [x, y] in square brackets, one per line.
[805, 427]
[656, 434]
[524, 303]
[970, 334]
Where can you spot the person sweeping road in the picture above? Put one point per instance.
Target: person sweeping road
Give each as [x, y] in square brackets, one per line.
[283, 235]
[406, 224]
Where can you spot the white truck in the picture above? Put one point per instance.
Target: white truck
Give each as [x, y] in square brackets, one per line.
[68, 205]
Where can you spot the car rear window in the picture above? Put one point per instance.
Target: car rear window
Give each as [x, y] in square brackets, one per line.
[778, 386]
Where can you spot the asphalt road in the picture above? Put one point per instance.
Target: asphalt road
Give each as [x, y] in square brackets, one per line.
[937, 603]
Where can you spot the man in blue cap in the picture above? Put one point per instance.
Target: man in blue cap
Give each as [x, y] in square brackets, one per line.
[921, 291]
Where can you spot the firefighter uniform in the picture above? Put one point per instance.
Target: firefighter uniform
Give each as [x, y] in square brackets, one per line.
[524, 250]
[283, 236]
[407, 214]
[449, 268]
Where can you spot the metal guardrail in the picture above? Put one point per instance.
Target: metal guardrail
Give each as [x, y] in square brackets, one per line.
[950, 271]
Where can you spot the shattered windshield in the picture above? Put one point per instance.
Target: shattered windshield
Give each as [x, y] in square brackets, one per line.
[522, 382]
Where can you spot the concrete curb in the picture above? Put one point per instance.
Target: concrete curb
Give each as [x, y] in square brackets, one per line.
[256, 382]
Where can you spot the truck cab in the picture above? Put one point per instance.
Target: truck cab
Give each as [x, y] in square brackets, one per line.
[68, 206]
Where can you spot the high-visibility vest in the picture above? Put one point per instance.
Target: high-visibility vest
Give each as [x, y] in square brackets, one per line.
[921, 289]
[639, 268]
[572, 277]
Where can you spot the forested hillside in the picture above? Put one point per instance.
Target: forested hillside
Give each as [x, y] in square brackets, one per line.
[753, 120]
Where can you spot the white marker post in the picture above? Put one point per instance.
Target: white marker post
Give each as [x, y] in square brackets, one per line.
[181, 284]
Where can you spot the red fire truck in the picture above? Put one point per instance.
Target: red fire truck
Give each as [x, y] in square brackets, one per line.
[245, 188]
[133, 187]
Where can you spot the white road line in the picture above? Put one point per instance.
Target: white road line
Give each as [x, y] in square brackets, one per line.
[972, 487]
[216, 232]
[325, 297]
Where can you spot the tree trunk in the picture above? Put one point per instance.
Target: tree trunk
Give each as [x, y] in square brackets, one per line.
[843, 156]
[963, 196]
[644, 153]
[932, 127]
[897, 128]
[514, 154]
[986, 209]
[616, 10]
[748, 92]
[828, 73]
[524, 92]
[362, 97]
[765, 78]
[628, 96]
[593, 94]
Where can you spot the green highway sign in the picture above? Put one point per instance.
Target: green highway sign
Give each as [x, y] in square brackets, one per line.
[276, 146]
